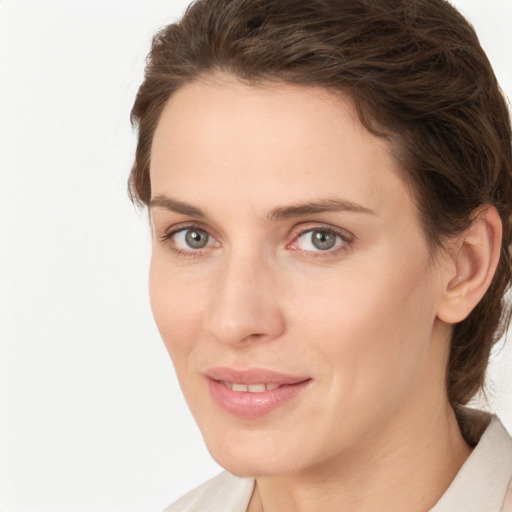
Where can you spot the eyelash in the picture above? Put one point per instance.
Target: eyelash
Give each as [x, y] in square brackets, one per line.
[167, 239]
[347, 240]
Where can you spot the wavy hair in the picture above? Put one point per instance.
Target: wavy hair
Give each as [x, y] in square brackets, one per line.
[418, 77]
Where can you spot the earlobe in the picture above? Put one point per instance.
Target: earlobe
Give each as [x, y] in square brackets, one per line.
[474, 262]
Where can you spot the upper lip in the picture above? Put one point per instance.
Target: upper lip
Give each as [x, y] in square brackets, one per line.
[253, 376]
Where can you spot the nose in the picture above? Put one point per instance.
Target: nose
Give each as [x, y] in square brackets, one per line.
[244, 304]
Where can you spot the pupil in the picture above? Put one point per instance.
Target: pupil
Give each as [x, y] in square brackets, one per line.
[323, 241]
[196, 239]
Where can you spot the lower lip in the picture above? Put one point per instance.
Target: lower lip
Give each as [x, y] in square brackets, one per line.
[253, 405]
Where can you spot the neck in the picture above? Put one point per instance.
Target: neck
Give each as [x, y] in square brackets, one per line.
[427, 457]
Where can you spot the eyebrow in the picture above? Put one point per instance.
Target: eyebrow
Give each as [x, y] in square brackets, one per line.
[320, 206]
[173, 205]
[281, 212]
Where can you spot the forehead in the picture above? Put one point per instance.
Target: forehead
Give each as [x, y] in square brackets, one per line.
[268, 144]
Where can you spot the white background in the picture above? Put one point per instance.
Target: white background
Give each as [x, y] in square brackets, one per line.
[91, 416]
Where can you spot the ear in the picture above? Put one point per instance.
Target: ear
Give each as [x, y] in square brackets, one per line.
[472, 264]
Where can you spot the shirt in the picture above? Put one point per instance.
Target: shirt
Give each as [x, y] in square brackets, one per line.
[483, 484]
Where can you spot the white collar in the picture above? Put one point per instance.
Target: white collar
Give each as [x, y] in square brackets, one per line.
[482, 482]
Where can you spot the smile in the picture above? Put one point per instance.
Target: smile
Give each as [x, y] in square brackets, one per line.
[249, 388]
[253, 393]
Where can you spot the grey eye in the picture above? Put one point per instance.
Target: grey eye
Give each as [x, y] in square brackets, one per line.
[319, 240]
[191, 238]
[196, 239]
[322, 240]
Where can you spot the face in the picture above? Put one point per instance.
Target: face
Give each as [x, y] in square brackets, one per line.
[290, 278]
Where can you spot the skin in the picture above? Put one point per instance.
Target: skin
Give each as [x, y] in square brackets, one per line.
[368, 320]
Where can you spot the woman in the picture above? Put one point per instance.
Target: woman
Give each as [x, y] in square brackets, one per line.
[330, 191]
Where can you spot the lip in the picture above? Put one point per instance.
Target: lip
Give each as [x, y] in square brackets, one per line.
[253, 405]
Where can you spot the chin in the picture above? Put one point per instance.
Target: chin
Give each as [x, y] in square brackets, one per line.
[251, 468]
[254, 459]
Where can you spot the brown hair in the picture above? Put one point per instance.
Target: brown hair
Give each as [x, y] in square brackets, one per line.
[418, 77]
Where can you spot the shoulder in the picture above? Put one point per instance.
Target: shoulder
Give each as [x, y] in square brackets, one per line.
[223, 493]
[484, 483]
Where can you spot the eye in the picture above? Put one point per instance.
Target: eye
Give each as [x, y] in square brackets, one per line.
[190, 238]
[319, 240]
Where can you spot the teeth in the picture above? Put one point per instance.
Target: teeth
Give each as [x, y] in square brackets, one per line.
[256, 388]
[250, 388]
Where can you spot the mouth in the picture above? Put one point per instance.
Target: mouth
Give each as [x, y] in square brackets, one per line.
[254, 392]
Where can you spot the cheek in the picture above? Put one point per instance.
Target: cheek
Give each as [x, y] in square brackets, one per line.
[372, 325]
[176, 307]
